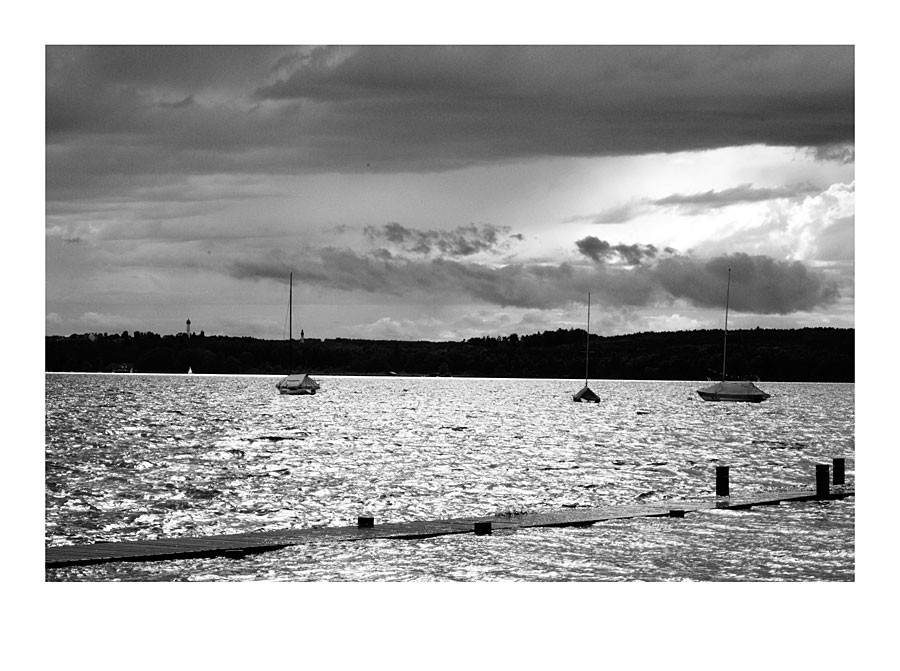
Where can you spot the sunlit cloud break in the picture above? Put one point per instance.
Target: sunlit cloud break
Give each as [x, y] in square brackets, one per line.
[697, 203]
[745, 193]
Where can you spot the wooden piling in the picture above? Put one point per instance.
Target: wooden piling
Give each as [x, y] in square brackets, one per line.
[823, 490]
[364, 522]
[838, 475]
[482, 528]
[722, 481]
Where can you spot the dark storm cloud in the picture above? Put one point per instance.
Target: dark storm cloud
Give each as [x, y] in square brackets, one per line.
[759, 284]
[133, 110]
[840, 153]
[603, 252]
[462, 241]
[587, 100]
[520, 285]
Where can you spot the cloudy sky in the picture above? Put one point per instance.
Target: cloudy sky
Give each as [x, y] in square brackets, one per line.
[426, 192]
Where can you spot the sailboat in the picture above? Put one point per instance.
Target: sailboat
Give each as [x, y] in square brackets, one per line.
[294, 383]
[585, 395]
[731, 390]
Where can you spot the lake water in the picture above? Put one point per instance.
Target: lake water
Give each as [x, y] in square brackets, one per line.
[146, 456]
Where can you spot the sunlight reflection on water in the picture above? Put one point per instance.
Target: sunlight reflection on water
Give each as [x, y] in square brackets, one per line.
[135, 456]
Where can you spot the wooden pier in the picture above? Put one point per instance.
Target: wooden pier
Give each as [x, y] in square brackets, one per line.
[237, 546]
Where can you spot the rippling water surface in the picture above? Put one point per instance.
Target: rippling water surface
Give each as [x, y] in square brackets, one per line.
[144, 456]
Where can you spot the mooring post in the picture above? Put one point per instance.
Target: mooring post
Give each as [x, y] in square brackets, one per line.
[721, 480]
[482, 528]
[823, 490]
[365, 522]
[838, 476]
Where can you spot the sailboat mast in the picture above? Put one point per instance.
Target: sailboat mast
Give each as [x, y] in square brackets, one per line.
[725, 342]
[290, 325]
[587, 344]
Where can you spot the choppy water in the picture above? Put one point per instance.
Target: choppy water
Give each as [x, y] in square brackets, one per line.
[143, 456]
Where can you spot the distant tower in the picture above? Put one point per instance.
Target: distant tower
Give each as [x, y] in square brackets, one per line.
[188, 327]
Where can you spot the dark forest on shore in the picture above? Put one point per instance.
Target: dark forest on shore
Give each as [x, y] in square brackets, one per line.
[801, 355]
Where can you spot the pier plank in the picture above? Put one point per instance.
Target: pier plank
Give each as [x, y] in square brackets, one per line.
[240, 544]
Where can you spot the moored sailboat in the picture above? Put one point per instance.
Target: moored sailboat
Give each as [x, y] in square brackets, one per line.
[731, 390]
[586, 394]
[295, 384]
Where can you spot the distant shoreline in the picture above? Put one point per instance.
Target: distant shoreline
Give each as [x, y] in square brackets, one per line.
[789, 355]
[327, 376]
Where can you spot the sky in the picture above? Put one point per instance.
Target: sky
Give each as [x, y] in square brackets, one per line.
[446, 192]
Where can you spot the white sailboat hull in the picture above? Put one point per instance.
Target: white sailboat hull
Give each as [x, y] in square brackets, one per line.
[297, 385]
[297, 392]
[741, 392]
[586, 395]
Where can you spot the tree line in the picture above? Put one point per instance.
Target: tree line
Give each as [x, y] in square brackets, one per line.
[807, 354]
